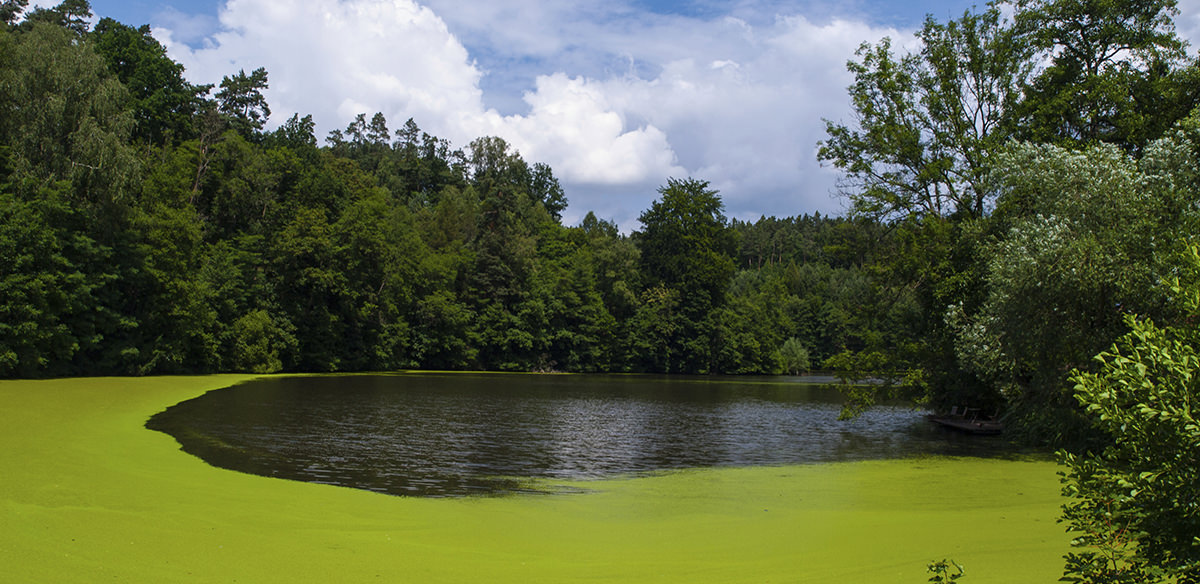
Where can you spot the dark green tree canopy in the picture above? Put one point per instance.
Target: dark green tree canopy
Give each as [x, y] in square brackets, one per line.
[164, 102]
[297, 133]
[150, 229]
[64, 115]
[1091, 37]
[241, 101]
[1069, 72]
[11, 10]
[1134, 505]
[687, 244]
[72, 15]
[1117, 72]
[493, 165]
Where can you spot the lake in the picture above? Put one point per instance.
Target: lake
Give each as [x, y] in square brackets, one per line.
[487, 434]
[89, 493]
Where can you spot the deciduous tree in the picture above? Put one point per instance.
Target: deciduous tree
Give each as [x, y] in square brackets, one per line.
[1135, 504]
[164, 103]
[928, 122]
[686, 245]
[1116, 72]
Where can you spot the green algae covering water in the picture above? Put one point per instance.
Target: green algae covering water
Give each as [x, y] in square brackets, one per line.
[90, 495]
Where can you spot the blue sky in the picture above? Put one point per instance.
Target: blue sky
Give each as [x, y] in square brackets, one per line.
[616, 95]
[137, 12]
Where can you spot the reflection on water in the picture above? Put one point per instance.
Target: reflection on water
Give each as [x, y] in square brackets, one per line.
[463, 434]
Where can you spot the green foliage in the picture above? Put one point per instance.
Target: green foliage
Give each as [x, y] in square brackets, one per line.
[148, 229]
[379, 254]
[872, 374]
[1080, 240]
[10, 10]
[259, 339]
[945, 571]
[163, 101]
[655, 332]
[70, 15]
[793, 356]
[929, 121]
[48, 285]
[241, 101]
[687, 261]
[445, 336]
[1017, 260]
[240, 188]
[616, 260]
[176, 318]
[151, 230]
[312, 288]
[296, 133]
[687, 246]
[1135, 505]
[64, 116]
[1113, 75]
[929, 126]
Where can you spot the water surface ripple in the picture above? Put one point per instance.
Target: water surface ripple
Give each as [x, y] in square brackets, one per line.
[465, 434]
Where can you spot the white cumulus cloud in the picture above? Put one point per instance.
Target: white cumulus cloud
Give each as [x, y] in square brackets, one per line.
[336, 59]
[616, 100]
[1187, 23]
[573, 127]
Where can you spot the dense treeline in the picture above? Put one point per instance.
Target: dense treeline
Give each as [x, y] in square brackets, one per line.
[1024, 190]
[154, 226]
[1038, 176]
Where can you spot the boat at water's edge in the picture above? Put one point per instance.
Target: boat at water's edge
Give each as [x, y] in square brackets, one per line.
[971, 424]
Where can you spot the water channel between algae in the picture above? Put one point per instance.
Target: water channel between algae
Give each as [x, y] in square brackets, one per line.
[88, 494]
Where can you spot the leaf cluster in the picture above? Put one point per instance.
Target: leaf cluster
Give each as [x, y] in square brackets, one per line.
[1134, 504]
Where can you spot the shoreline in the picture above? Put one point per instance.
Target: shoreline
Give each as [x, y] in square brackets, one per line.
[90, 494]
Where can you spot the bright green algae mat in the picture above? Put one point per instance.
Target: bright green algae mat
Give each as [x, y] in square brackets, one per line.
[87, 494]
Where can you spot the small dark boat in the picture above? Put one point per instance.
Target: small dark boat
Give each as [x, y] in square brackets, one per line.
[968, 420]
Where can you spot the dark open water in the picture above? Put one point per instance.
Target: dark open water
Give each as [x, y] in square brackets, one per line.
[481, 434]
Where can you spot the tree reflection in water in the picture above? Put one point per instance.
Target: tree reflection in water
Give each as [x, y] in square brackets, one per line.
[480, 434]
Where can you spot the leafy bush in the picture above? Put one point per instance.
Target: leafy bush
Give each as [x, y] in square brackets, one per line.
[1135, 506]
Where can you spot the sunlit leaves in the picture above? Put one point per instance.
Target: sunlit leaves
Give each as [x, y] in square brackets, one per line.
[927, 123]
[1084, 238]
[1135, 505]
[64, 116]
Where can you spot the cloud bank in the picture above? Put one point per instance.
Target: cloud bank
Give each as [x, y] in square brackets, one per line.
[616, 99]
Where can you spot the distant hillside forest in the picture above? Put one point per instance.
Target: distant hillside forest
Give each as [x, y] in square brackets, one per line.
[151, 226]
[1017, 186]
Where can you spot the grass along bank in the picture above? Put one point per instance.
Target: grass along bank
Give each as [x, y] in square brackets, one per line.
[87, 494]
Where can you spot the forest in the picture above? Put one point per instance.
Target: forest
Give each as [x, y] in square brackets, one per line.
[1023, 193]
[151, 226]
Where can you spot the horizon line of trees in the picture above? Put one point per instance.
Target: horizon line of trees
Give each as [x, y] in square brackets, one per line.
[148, 225]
